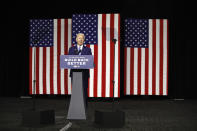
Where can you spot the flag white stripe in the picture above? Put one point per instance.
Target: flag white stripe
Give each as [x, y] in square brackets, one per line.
[116, 30]
[40, 70]
[69, 45]
[157, 55]
[135, 70]
[33, 67]
[55, 58]
[142, 71]
[107, 55]
[150, 58]
[62, 53]
[91, 87]
[165, 58]
[47, 70]
[99, 79]
[128, 75]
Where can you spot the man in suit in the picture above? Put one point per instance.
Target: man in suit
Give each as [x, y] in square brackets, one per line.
[81, 49]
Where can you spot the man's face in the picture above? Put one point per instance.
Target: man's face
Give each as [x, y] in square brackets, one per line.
[80, 39]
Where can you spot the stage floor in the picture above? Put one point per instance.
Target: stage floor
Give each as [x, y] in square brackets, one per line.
[141, 114]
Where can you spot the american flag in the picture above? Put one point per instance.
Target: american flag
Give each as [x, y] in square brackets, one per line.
[146, 57]
[100, 30]
[49, 38]
[50, 79]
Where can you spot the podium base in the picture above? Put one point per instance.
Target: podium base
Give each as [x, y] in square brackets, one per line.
[77, 109]
[109, 119]
[38, 118]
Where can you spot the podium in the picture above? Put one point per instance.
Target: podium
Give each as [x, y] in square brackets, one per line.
[77, 106]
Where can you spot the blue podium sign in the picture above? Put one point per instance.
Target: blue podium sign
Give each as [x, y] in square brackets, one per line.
[76, 61]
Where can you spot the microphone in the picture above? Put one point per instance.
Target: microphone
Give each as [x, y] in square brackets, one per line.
[76, 51]
[114, 40]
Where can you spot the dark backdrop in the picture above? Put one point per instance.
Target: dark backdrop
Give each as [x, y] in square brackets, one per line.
[14, 53]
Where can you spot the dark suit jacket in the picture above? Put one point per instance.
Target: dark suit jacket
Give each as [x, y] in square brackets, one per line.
[86, 74]
[85, 51]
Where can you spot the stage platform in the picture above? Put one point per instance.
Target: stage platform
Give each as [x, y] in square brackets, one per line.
[141, 114]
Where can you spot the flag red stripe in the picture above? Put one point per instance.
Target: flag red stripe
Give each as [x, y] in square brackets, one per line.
[132, 71]
[58, 55]
[154, 58]
[66, 52]
[125, 70]
[103, 55]
[139, 71]
[111, 54]
[44, 70]
[161, 58]
[30, 70]
[95, 69]
[37, 70]
[119, 55]
[146, 70]
[51, 70]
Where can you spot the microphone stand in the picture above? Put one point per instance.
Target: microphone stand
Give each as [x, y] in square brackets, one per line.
[113, 81]
[114, 118]
[33, 117]
[34, 81]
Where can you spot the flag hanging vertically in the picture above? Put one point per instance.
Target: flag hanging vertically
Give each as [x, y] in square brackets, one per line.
[100, 30]
[49, 38]
[50, 79]
[146, 57]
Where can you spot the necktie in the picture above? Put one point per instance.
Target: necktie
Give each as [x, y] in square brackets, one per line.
[79, 50]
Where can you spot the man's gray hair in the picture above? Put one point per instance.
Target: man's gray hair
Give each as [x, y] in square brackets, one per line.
[81, 34]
